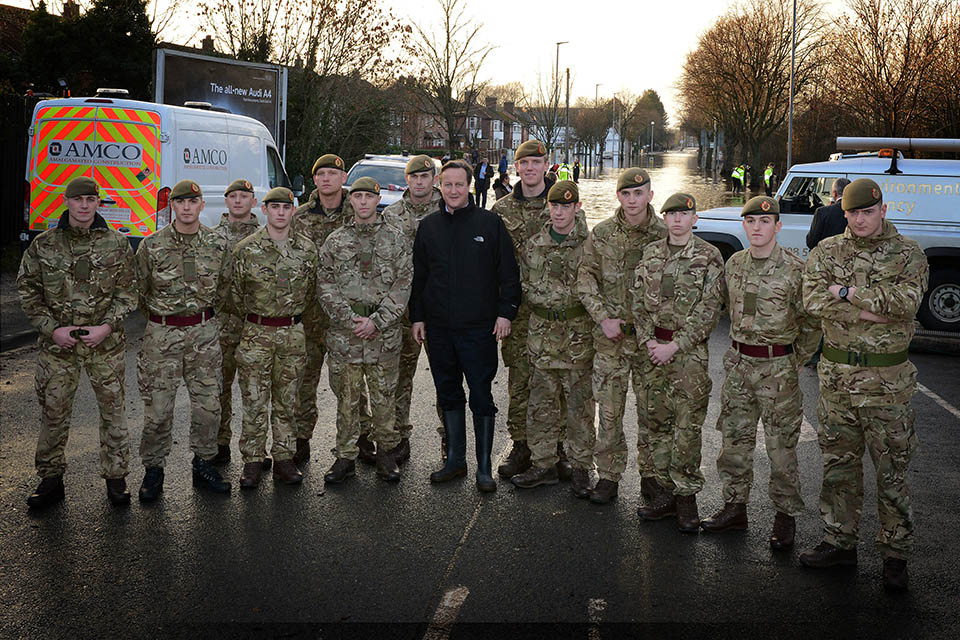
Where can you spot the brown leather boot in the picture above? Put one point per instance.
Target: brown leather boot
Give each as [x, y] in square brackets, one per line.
[662, 506]
[604, 492]
[688, 519]
[784, 531]
[286, 472]
[564, 468]
[733, 517]
[826, 555]
[580, 483]
[534, 477]
[250, 476]
[650, 488]
[117, 492]
[368, 450]
[387, 467]
[303, 451]
[340, 471]
[401, 452]
[517, 462]
[895, 574]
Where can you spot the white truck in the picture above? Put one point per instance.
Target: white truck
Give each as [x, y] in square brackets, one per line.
[922, 198]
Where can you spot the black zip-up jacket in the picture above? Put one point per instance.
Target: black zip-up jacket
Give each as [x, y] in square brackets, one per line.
[465, 275]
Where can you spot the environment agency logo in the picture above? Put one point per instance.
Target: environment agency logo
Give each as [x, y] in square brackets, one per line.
[186, 156]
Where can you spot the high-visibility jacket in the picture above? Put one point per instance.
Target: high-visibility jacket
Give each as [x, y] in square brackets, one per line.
[767, 175]
[563, 172]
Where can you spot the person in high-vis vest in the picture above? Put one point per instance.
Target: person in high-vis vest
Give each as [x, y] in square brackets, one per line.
[768, 179]
[737, 176]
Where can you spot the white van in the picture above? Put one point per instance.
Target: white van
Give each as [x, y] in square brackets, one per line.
[922, 198]
[137, 151]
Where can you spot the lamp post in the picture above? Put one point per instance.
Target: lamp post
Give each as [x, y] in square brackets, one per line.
[793, 56]
[556, 83]
[651, 141]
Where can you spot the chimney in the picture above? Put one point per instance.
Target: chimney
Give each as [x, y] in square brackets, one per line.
[491, 102]
[70, 10]
[207, 44]
[508, 106]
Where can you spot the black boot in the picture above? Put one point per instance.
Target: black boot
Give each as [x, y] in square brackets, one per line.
[206, 475]
[117, 492]
[152, 485]
[483, 430]
[455, 422]
[50, 491]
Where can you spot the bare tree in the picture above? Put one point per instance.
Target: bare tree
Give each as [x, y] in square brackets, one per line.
[545, 113]
[591, 121]
[509, 92]
[943, 97]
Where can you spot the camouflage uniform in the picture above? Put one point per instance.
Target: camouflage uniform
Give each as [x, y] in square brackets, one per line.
[365, 271]
[610, 258]
[681, 292]
[766, 308]
[181, 275]
[272, 280]
[866, 404]
[406, 217]
[79, 277]
[560, 345]
[231, 326]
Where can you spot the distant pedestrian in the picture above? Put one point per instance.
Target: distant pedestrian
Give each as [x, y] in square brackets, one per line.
[829, 220]
[737, 176]
[475, 156]
[501, 186]
[769, 178]
[502, 167]
[576, 171]
[481, 175]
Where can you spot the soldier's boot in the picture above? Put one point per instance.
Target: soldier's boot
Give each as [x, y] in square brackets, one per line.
[223, 454]
[387, 467]
[48, 492]
[152, 485]
[784, 532]
[688, 519]
[286, 472]
[733, 517]
[895, 574]
[401, 452]
[455, 466]
[117, 492]
[206, 476]
[250, 476]
[564, 468]
[536, 476]
[665, 504]
[368, 450]
[483, 433]
[580, 483]
[302, 453]
[604, 492]
[517, 462]
[826, 555]
[340, 471]
[650, 488]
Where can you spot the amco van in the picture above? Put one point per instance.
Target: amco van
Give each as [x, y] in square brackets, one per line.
[137, 151]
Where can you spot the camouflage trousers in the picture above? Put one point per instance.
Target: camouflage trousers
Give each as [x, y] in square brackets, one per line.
[763, 389]
[887, 433]
[168, 355]
[348, 381]
[56, 383]
[548, 388]
[231, 327]
[271, 361]
[677, 398]
[615, 367]
[409, 357]
[517, 360]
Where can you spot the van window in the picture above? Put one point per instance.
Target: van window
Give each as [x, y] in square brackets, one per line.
[805, 194]
[276, 174]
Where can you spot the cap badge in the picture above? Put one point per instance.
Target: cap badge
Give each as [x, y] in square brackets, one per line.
[247, 185]
[194, 187]
[689, 203]
[875, 193]
[427, 163]
[541, 149]
[338, 162]
[638, 178]
[765, 205]
[567, 195]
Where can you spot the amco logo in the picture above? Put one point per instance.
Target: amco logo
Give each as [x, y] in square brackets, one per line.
[113, 154]
[205, 158]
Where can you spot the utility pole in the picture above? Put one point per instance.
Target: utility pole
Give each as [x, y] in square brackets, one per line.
[793, 56]
[566, 126]
[651, 143]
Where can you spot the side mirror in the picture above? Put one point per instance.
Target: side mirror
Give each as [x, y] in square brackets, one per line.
[297, 185]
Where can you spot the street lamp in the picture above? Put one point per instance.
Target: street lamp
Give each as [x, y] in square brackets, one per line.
[556, 79]
[651, 141]
[596, 93]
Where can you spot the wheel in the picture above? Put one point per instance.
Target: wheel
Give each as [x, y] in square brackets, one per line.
[940, 309]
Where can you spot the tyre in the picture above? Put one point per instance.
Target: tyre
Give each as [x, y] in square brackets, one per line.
[940, 309]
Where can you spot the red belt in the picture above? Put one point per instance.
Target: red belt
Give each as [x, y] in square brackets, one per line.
[284, 321]
[763, 351]
[663, 334]
[183, 321]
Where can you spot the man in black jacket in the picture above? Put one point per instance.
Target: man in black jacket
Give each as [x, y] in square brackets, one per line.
[829, 220]
[466, 291]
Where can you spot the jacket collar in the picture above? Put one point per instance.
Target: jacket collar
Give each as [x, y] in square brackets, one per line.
[64, 222]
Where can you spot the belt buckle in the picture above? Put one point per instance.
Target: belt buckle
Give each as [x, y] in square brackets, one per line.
[854, 357]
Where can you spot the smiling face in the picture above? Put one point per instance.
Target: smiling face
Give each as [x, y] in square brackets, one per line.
[531, 170]
[81, 209]
[866, 222]
[761, 229]
[455, 188]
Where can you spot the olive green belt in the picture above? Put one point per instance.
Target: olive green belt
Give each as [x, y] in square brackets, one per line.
[568, 313]
[864, 359]
[364, 310]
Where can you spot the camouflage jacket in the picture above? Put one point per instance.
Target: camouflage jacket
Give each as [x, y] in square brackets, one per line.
[549, 280]
[370, 265]
[271, 279]
[78, 277]
[234, 232]
[406, 216]
[523, 217]
[181, 275]
[681, 291]
[765, 302]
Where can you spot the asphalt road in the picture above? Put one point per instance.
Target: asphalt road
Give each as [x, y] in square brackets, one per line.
[413, 560]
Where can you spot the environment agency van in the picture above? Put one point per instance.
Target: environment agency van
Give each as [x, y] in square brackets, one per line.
[137, 151]
[922, 198]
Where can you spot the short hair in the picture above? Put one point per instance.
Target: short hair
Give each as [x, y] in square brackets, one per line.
[458, 164]
[839, 185]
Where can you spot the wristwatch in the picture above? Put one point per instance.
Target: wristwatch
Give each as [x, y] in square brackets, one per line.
[843, 293]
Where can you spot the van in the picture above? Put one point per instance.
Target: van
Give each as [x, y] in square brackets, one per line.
[137, 151]
[922, 198]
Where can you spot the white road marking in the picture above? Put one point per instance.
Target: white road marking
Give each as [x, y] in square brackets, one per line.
[446, 614]
[940, 401]
[595, 607]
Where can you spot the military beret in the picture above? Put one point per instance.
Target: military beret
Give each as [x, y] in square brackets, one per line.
[564, 192]
[759, 205]
[186, 189]
[419, 164]
[531, 148]
[82, 186]
[365, 184]
[679, 202]
[632, 178]
[329, 160]
[860, 194]
[279, 194]
[239, 185]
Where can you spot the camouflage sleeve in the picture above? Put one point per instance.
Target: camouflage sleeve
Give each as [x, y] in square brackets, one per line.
[333, 303]
[234, 300]
[144, 269]
[125, 295]
[224, 277]
[642, 320]
[897, 298]
[809, 333]
[394, 303]
[30, 288]
[588, 279]
[696, 327]
[817, 299]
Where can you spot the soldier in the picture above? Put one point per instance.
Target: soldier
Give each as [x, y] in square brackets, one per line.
[327, 208]
[421, 198]
[274, 275]
[235, 225]
[364, 286]
[610, 258]
[560, 344]
[76, 285]
[677, 300]
[865, 286]
[524, 212]
[771, 337]
[182, 271]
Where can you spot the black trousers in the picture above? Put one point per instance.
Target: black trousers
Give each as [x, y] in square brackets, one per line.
[480, 190]
[456, 354]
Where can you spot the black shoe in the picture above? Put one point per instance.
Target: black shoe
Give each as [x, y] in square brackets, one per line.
[826, 555]
[368, 450]
[401, 452]
[387, 467]
[455, 465]
[895, 574]
[517, 462]
[580, 483]
[604, 493]
[784, 532]
[340, 471]
[117, 492]
[483, 432]
[303, 451]
[662, 506]
[206, 476]
[536, 476]
[650, 488]
[223, 455]
[688, 518]
[564, 468]
[152, 485]
[48, 492]
[733, 517]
